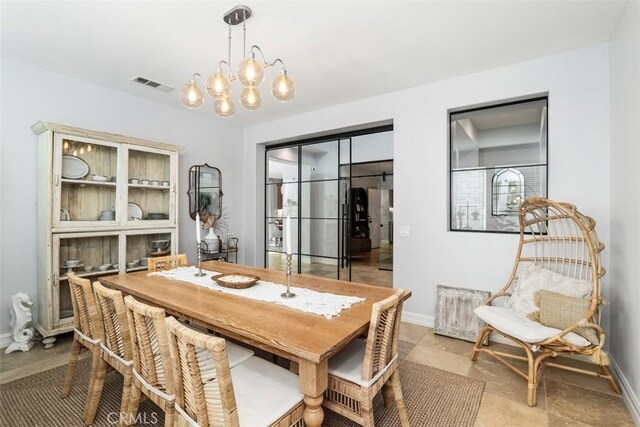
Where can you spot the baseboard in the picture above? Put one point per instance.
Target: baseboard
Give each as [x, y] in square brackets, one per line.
[5, 340]
[417, 319]
[630, 399]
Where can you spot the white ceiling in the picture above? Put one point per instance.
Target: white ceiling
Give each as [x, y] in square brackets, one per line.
[336, 51]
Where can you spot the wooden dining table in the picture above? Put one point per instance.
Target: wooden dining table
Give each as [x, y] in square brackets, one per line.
[305, 338]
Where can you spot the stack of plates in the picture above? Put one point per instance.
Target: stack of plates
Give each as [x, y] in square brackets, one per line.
[134, 212]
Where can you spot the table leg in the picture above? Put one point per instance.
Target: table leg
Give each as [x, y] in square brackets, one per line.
[313, 383]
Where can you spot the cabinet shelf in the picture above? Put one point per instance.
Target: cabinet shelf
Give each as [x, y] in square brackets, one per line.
[87, 182]
[92, 273]
[150, 187]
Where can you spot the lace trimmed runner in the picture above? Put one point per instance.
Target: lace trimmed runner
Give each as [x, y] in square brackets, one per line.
[321, 303]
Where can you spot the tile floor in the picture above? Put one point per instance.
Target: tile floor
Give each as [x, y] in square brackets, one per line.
[364, 269]
[564, 398]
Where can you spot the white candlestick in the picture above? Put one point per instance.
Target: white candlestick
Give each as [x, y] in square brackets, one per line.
[198, 228]
[288, 230]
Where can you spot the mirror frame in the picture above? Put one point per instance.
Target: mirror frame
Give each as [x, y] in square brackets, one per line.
[193, 192]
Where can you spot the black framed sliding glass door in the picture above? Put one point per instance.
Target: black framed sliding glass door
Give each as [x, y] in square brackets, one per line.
[307, 183]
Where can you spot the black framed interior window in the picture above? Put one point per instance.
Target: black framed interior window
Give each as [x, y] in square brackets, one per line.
[498, 157]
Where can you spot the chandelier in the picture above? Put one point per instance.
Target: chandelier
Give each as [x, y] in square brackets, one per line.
[250, 74]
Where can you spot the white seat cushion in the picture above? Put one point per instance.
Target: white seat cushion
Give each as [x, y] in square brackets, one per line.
[237, 354]
[264, 391]
[347, 364]
[513, 324]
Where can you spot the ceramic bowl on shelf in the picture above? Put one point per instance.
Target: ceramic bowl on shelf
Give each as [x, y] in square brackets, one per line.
[113, 179]
[144, 262]
[157, 215]
[72, 262]
[107, 216]
[134, 181]
[165, 183]
[144, 181]
[116, 266]
[158, 247]
[104, 267]
[99, 178]
[88, 268]
[155, 182]
[133, 264]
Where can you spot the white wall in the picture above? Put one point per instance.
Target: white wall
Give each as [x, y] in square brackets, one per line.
[370, 148]
[624, 251]
[577, 83]
[31, 94]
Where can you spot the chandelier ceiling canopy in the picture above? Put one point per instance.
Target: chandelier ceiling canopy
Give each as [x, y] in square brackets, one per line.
[250, 73]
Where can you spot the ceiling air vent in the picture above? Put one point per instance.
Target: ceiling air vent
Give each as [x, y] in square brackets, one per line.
[151, 83]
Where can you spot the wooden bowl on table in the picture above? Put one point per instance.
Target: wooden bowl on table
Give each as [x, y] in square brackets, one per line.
[235, 280]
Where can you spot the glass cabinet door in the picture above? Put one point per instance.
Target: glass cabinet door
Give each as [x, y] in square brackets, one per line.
[88, 256]
[150, 186]
[85, 182]
[140, 246]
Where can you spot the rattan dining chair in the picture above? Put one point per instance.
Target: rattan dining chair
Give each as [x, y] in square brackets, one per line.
[167, 262]
[152, 371]
[117, 347]
[363, 368]
[211, 393]
[556, 237]
[87, 333]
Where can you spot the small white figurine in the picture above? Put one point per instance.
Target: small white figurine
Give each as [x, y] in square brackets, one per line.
[20, 320]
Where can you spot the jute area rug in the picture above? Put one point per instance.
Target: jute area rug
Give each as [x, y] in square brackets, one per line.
[433, 398]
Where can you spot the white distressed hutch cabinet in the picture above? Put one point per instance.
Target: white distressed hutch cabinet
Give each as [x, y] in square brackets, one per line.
[104, 201]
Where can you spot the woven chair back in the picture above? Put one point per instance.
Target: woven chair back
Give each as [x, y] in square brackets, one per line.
[114, 320]
[167, 262]
[203, 379]
[556, 236]
[151, 356]
[85, 314]
[382, 341]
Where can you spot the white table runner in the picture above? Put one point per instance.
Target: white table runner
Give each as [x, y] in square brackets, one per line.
[322, 303]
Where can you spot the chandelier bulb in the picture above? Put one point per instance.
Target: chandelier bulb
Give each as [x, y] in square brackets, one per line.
[218, 85]
[191, 95]
[283, 88]
[251, 72]
[224, 107]
[250, 99]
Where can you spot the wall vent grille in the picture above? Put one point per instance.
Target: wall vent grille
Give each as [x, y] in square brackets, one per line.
[146, 82]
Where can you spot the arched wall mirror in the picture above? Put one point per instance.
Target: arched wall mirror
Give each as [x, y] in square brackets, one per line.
[508, 191]
[205, 191]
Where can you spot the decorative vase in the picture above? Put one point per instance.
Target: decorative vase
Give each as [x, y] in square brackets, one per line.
[212, 241]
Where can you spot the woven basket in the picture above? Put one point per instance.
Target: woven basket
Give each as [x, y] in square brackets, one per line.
[220, 280]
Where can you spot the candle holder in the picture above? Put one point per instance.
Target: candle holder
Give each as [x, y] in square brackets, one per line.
[288, 294]
[199, 273]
